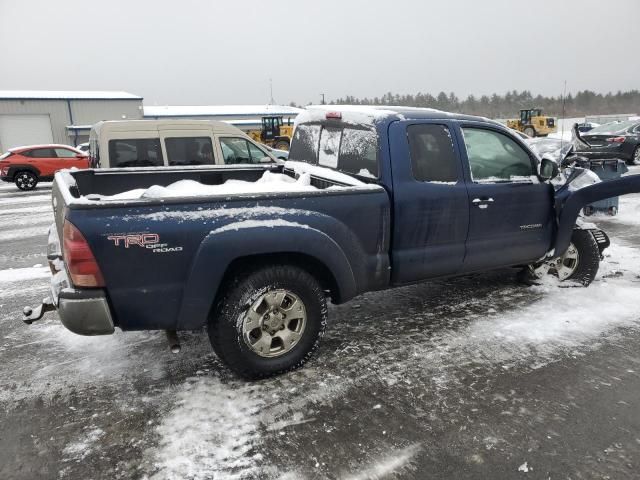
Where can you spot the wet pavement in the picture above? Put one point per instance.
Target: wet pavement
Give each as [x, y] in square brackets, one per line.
[477, 377]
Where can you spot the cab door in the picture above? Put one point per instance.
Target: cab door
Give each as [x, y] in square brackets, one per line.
[430, 204]
[511, 219]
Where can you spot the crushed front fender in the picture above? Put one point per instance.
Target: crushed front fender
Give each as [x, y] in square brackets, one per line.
[569, 204]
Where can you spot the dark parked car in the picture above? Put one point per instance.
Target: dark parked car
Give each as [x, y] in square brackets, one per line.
[613, 140]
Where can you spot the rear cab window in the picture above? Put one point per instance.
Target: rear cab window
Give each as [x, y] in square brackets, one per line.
[349, 149]
[136, 152]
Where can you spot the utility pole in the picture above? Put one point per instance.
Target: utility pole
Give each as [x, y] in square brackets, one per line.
[322, 101]
[271, 102]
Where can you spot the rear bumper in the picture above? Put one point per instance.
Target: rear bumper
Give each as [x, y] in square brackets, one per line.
[85, 312]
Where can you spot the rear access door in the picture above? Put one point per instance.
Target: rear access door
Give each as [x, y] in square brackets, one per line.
[511, 217]
[430, 204]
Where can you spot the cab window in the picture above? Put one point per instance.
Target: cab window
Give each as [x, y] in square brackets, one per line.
[433, 158]
[359, 153]
[494, 157]
[329, 147]
[304, 147]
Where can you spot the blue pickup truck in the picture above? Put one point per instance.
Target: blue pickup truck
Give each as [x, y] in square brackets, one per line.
[389, 197]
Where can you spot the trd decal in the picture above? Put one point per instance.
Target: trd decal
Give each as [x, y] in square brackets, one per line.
[140, 240]
[150, 241]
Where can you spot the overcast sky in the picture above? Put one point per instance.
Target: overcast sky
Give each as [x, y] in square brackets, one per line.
[190, 52]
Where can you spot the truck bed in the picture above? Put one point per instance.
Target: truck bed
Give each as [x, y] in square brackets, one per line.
[172, 282]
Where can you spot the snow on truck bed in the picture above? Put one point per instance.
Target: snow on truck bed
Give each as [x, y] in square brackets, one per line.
[268, 183]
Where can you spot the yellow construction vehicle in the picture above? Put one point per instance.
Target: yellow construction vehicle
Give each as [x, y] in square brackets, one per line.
[274, 132]
[533, 123]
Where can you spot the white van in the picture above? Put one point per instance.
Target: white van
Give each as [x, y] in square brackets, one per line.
[157, 143]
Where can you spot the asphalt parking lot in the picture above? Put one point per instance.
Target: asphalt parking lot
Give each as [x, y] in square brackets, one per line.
[477, 377]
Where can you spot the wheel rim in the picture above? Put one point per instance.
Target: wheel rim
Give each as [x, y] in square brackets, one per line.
[636, 156]
[567, 264]
[25, 180]
[273, 325]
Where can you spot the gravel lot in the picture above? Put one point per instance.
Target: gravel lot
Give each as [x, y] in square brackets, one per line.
[477, 377]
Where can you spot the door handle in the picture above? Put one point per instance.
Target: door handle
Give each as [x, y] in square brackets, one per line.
[482, 202]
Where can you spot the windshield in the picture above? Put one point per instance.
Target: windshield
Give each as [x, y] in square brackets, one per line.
[613, 127]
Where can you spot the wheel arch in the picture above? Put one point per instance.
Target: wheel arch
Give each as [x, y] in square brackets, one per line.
[15, 169]
[229, 253]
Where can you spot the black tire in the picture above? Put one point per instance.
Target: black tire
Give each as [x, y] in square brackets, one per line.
[25, 180]
[588, 257]
[226, 322]
[635, 157]
[529, 131]
[281, 145]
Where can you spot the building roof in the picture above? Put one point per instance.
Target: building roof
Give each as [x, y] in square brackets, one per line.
[65, 95]
[219, 110]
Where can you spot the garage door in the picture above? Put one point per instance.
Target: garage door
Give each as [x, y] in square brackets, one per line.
[18, 130]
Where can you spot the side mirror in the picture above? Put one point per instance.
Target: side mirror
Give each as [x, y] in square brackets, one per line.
[81, 155]
[548, 169]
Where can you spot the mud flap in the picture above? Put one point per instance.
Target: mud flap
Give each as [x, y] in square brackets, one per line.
[570, 204]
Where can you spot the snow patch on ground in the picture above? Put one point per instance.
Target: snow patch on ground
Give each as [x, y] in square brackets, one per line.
[394, 463]
[23, 274]
[79, 449]
[210, 433]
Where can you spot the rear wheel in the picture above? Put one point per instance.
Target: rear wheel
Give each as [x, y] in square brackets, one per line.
[530, 131]
[25, 180]
[269, 321]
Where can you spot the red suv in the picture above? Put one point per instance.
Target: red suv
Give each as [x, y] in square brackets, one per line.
[26, 166]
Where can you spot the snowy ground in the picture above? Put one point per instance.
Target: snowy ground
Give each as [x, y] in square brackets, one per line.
[468, 378]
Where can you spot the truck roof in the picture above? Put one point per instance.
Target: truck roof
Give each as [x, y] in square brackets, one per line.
[369, 114]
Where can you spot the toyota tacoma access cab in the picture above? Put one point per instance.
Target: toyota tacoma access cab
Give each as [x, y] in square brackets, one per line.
[372, 198]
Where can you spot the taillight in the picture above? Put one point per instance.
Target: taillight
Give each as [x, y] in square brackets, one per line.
[616, 139]
[335, 115]
[81, 263]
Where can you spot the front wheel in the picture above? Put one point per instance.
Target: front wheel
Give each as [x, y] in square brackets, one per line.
[25, 180]
[269, 321]
[530, 131]
[578, 264]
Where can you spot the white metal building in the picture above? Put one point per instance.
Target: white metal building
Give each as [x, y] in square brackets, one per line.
[245, 117]
[30, 117]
